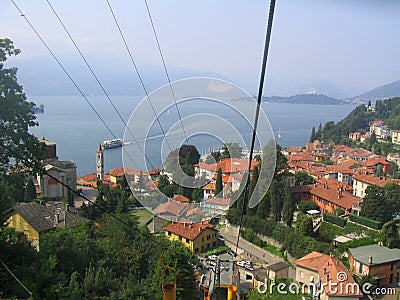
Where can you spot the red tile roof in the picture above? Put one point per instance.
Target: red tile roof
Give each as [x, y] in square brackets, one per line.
[170, 207]
[155, 171]
[312, 261]
[305, 188]
[181, 199]
[292, 149]
[187, 230]
[89, 177]
[193, 211]
[218, 201]
[119, 172]
[209, 186]
[331, 269]
[374, 180]
[229, 165]
[333, 195]
[358, 152]
[225, 178]
[375, 161]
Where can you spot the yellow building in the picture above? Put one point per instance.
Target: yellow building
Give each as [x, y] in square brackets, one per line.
[34, 219]
[196, 236]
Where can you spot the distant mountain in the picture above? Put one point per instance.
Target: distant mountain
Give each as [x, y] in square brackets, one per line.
[43, 77]
[383, 92]
[305, 99]
[321, 87]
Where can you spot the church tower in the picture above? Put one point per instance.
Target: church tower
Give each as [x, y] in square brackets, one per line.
[100, 163]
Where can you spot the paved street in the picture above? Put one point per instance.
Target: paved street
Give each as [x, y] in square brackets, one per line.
[248, 249]
[88, 192]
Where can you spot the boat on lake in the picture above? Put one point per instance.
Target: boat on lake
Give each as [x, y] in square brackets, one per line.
[112, 144]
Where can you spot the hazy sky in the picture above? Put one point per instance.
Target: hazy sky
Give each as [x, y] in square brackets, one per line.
[353, 45]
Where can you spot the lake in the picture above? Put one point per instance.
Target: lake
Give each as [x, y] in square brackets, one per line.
[70, 122]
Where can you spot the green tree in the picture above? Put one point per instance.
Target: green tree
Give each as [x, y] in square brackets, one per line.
[231, 150]
[264, 207]
[303, 178]
[17, 145]
[305, 206]
[312, 137]
[288, 206]
[276, 200]
[339, 212]
[178, 157]
[179, 257]
[392, 198]
[165, 186]
[374, 204]
[70, 198]
[391, 234]
[30, 191]
[304, 225]
[218, 182]
[372, 139]
[253, 192]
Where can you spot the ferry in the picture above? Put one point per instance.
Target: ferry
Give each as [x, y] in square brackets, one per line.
[112, 143]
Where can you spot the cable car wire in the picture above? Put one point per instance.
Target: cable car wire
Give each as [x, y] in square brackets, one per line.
[98, 82]
[165, 69]
[40, 170]
[75, 84]
[137, 70]
[259, 98]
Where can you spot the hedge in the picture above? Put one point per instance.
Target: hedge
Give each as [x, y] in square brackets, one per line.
[365, 221]
[296, 244]
[335, 220]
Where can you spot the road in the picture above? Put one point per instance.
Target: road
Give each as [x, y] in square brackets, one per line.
[248, 249]
[88, 192]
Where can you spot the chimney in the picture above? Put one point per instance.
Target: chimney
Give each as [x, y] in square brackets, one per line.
[337, 262]
[370, 260]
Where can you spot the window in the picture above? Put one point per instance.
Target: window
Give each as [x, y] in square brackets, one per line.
[301, 274]
[208, 237]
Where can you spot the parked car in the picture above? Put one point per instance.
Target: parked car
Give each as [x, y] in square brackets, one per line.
[240, 263]
[231, 252]
[213, 257]
[248, 267]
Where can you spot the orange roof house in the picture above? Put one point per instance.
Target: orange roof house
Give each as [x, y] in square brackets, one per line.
[181, 199]
[362, 181]
[170, 209]
[196, 236]
[355, 136]
[328, 198]
[326, 277]
[376, 162]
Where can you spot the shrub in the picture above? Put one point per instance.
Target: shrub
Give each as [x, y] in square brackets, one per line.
[335, 220]
[366, 221]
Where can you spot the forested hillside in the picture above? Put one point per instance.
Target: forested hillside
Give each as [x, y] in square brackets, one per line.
[358, 120]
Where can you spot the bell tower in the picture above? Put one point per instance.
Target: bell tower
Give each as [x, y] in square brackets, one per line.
[100, 163]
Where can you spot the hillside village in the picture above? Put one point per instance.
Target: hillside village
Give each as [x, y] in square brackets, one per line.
[329, 187]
